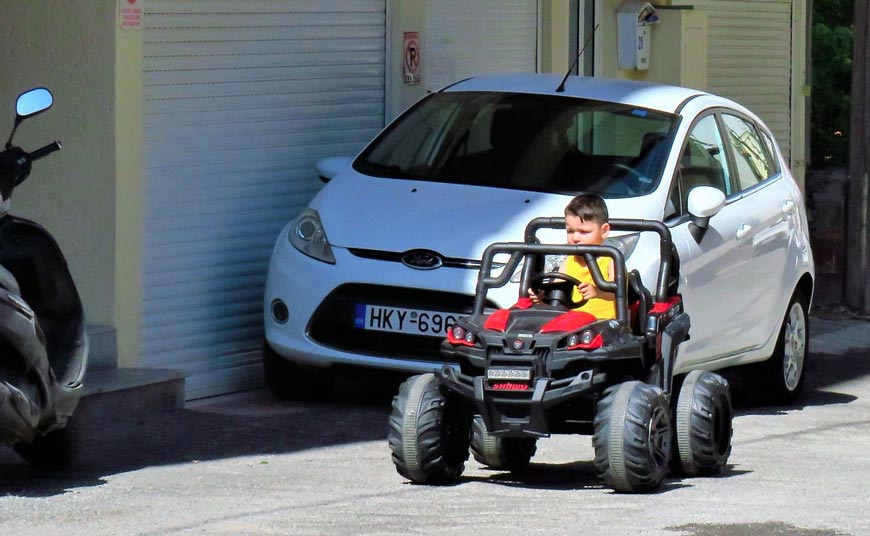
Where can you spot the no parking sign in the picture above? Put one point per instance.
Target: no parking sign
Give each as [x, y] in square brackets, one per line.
[411, 58]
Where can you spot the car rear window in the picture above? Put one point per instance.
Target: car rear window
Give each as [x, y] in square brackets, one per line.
[520, 141]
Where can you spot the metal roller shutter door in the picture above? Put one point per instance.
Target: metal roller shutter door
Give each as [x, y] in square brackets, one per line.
[464, 38]
[749, 58]
[241, 97]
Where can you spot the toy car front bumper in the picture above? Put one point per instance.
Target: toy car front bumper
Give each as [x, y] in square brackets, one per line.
[521, 413]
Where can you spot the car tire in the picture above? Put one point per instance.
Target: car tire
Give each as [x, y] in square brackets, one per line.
[780, 379]
[290, 381]
[500, 453]
[55, 451]
[429, 433]
[703, 424]
[632, 437]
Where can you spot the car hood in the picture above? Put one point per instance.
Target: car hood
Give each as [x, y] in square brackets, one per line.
[454, 220]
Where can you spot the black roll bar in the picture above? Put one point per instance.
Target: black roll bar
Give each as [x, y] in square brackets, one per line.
[617, 225]
[519, 250]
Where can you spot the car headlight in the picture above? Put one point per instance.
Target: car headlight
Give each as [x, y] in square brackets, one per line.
[625, 243]
[307, 235]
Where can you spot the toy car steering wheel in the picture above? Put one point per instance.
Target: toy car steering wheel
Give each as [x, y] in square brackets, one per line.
[558, 288]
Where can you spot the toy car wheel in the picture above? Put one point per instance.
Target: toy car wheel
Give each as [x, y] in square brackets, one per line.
[703, 423]
[289, 381]
[780, 379]
[429, 433]
[632, 438]
[54, 451]
[503, 453]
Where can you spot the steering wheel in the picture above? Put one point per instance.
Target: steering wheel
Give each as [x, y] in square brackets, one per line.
[558, 288]
[635, 177]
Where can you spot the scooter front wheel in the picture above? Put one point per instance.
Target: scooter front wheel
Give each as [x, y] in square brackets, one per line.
[54, 451]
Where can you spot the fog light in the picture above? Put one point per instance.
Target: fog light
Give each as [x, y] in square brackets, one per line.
[469, 337]
[279, 311]
[586, 337]
[458, 333]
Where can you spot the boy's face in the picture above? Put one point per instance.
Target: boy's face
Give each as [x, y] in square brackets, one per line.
[587, 233]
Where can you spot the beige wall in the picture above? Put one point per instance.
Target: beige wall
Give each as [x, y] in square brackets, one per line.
[129, 199]
[68, 47]
[410, 16]
[678, 53]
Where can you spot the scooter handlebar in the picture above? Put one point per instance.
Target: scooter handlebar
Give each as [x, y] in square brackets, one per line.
[45, 151]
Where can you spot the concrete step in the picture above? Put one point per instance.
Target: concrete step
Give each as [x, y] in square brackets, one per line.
[126, 392]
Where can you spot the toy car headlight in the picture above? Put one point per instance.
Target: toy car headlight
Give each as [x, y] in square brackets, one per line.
[586, 339]
[307, 235]
[459, 335]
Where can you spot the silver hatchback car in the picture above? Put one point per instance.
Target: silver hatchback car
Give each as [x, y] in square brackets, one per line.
[398, 231]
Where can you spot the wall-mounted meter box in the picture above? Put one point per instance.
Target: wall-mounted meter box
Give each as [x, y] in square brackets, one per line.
[634, 20]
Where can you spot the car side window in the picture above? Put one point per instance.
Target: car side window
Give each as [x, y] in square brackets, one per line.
[751, 157]
[703, 162]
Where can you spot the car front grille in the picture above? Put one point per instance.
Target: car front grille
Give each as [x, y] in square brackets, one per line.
[333, 323]
[395, 256]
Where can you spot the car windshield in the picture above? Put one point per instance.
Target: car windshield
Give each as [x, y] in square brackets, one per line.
[528, 142]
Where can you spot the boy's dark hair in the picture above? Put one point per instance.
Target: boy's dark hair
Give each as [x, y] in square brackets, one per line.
[588, 207]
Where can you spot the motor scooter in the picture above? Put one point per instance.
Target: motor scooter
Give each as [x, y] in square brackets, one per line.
[43, 340]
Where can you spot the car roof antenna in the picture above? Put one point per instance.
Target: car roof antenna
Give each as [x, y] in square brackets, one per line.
[561, 87]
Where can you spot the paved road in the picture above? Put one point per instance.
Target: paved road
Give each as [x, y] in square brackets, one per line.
[246, 464]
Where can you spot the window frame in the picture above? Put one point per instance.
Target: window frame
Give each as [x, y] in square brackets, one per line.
[769, 146]
[772, 161]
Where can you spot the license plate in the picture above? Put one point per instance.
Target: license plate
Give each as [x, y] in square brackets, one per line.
[399, 320]
[510, 374]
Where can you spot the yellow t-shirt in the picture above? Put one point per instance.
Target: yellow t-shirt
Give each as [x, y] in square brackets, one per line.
[600, 308]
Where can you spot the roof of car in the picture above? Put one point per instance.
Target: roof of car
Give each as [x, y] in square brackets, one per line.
[660, 97]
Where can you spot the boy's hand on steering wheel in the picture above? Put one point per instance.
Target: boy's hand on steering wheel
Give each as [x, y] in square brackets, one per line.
[588, 290]
[536, 297]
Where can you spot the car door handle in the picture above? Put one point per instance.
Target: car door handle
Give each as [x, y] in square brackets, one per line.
[743, 231]
[787, 207]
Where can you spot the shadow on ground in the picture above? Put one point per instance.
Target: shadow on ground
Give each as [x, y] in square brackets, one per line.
[119, 440]
[123, 439]
[825, 373]
[579, 475]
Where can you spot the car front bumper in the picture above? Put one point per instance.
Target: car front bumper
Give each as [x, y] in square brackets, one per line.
[305, 285]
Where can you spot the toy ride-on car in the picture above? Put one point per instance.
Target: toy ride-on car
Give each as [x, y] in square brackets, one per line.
[533, 370]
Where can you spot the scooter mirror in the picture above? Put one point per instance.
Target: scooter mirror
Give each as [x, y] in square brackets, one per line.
[33, 102]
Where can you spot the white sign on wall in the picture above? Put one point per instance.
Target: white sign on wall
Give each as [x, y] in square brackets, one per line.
[411, 58]
[130, 14]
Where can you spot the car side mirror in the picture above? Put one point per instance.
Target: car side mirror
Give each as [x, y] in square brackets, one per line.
[704, 203]
[328, 168]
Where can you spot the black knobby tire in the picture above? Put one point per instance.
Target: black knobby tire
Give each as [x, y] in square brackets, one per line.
[54, 451]
[289, 381]
[703, 423]
[429, 433]
[502, 453]
[632, 438]
[780, 379]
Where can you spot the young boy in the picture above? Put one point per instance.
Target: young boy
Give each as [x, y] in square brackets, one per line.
[586, 221]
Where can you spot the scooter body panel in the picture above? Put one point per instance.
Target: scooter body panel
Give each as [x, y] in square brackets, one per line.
[42, 331]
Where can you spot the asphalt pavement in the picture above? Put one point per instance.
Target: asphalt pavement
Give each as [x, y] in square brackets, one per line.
[248, 464]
